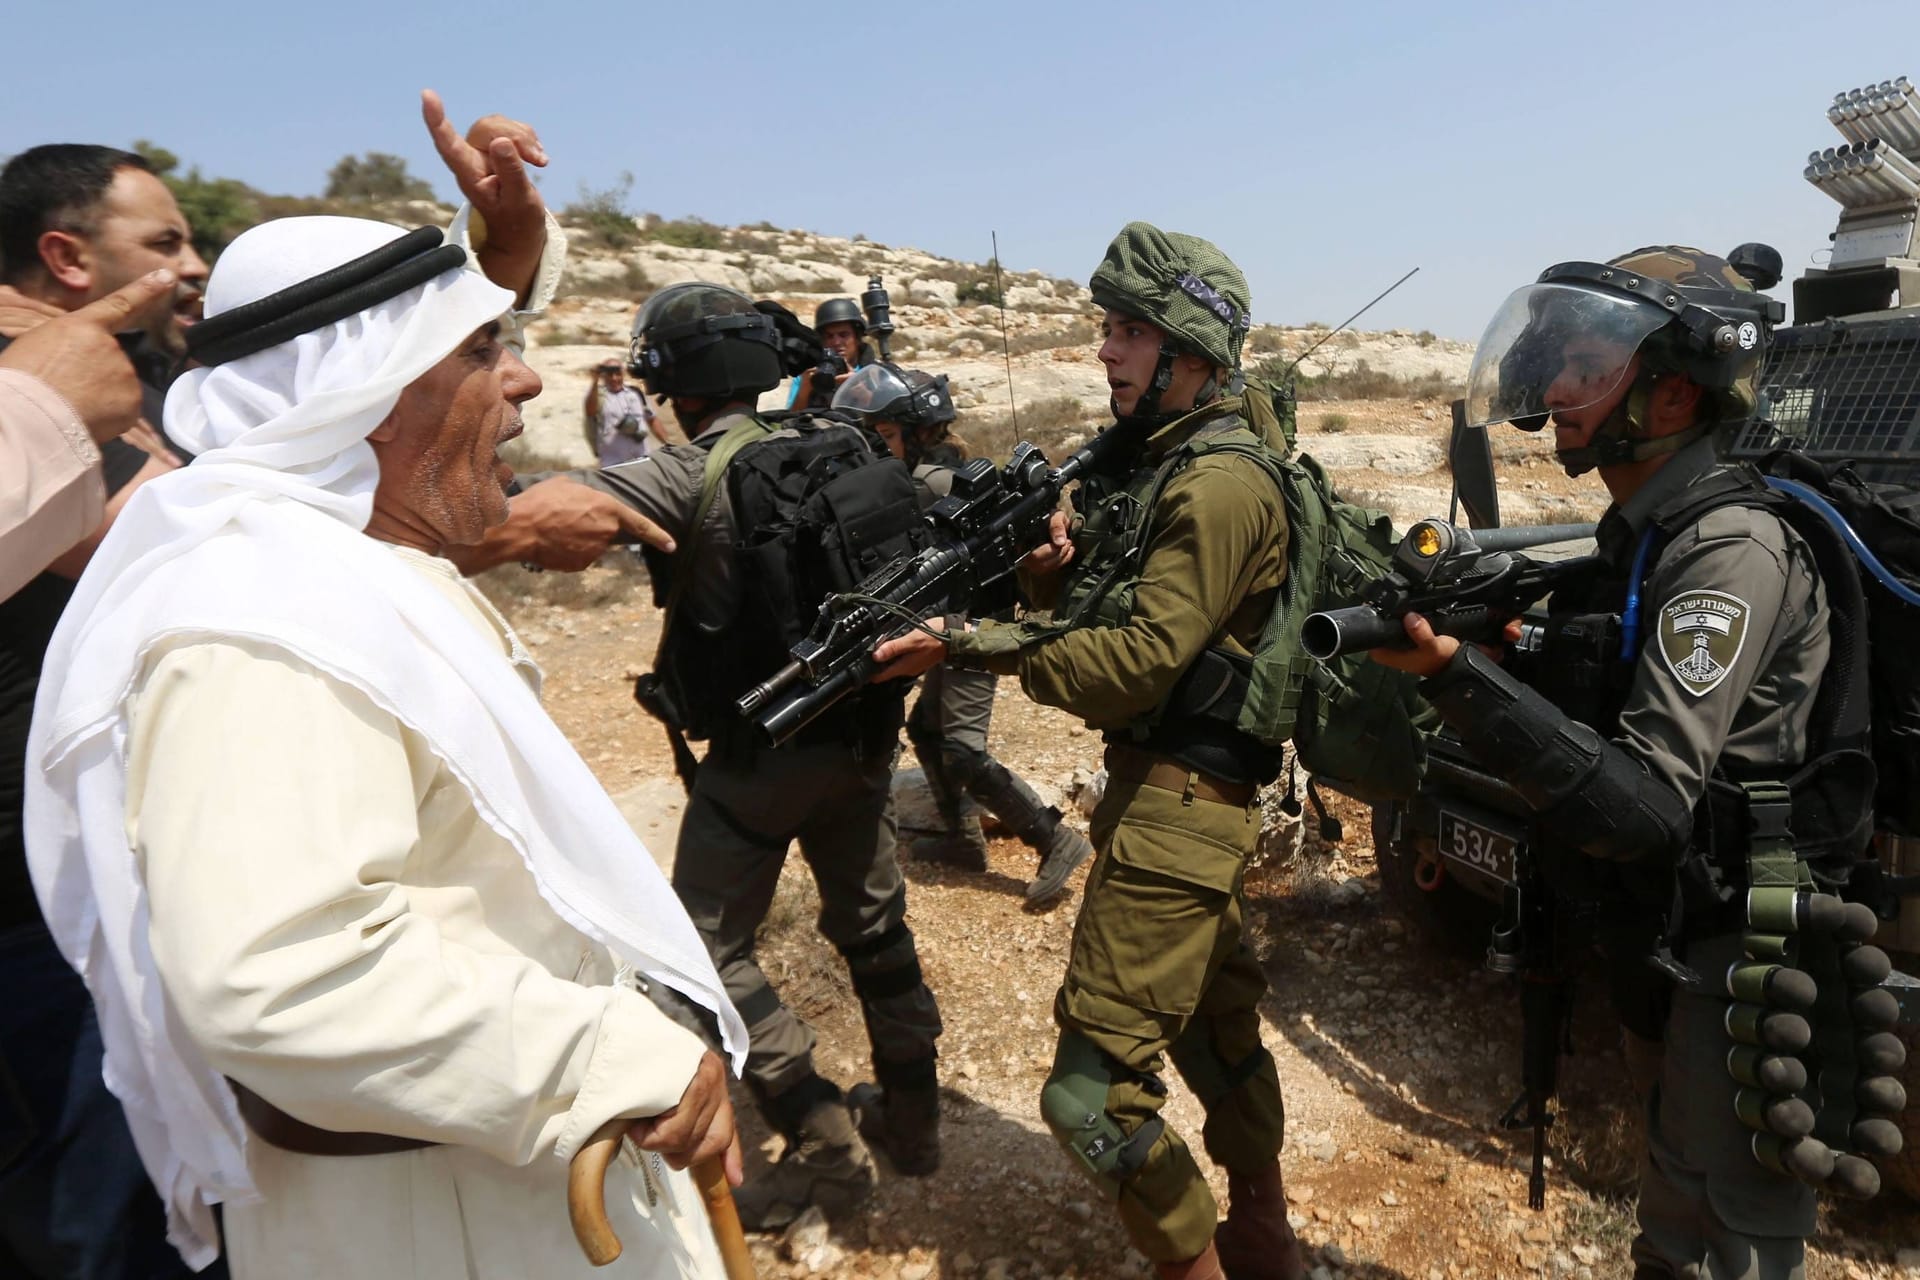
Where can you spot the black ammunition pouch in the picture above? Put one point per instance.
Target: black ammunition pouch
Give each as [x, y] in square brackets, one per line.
[1198, 725]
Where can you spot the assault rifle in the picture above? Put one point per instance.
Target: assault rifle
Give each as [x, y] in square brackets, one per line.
[1467, 583]
[1527, 943]
[981, 531]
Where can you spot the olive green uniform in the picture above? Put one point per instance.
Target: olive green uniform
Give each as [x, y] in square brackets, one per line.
[748, 805]
[1736, 639]
[1159, 964]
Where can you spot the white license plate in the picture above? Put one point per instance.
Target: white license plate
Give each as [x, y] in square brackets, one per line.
[1477, 847]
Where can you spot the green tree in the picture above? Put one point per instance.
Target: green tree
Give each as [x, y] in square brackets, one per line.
[375, 176]
[216, 209]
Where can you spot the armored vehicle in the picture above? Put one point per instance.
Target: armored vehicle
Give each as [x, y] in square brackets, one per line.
[1842, 384]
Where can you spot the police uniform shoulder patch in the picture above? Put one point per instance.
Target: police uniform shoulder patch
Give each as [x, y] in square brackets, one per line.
[1700, 635]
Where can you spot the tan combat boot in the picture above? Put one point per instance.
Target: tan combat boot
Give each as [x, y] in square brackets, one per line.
[1204, 1267]
[1255, 1242]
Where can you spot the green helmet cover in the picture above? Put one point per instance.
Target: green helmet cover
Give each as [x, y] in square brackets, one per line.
[1180, 284]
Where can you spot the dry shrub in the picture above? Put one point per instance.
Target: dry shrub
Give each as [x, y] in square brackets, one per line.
[1360, 382]
[1049, 424]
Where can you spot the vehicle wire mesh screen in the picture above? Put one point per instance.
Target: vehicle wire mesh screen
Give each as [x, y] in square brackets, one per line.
[1843, 391]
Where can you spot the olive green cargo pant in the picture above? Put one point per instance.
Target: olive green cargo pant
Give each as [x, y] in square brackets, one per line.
[1707, 1207]
[1159, 966]
[836, 802]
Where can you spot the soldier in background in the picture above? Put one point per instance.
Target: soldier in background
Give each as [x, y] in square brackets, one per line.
[842, 328]
[912, 411]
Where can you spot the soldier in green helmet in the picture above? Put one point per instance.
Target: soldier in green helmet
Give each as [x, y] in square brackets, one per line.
[1672, 716]
[1164, 572]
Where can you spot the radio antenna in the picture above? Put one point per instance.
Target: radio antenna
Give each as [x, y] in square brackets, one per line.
[1006, 349]
[1341, 327]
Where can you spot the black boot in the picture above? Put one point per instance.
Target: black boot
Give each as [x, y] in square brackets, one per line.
[903, 1122]
[825, 1163]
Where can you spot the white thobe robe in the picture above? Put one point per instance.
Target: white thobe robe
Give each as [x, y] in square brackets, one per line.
[340, 931]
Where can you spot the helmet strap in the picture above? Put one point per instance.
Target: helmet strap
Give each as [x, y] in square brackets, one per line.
[1618, 440]
[1147, 408]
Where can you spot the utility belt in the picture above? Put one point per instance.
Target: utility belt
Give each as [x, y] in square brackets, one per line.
[278, 1129]
[1131, 764]
[1198, 725]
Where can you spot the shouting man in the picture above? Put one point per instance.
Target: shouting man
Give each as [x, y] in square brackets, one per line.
[362, 928]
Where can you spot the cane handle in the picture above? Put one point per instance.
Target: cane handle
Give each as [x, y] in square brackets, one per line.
[587, 1193]
[587, 1203]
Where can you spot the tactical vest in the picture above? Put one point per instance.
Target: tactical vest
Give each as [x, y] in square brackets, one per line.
[1196, 723]
[815, 507]
[1584, 667]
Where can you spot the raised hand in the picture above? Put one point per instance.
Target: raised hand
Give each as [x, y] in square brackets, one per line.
[489, 165]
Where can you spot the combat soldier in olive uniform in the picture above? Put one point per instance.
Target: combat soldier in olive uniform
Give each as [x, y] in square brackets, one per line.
[1629, 758]
[948, 726]
[1151, 585]
[709, 354]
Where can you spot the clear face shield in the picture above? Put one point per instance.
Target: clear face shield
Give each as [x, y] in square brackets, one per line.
[874, 392]
[1555, 347]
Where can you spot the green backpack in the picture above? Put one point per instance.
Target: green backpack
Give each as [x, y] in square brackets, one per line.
[1351, 720]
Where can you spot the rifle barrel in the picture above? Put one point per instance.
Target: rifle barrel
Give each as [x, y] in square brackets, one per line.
[1520, 537]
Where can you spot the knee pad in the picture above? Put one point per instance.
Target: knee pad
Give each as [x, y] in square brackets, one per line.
[1073, 1102]
[962, 764]
[887, 964]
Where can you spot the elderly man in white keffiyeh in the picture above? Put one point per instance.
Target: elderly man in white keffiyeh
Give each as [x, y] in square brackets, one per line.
[365, 935]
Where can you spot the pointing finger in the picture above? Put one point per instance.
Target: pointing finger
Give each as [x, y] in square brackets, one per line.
[453, 149]
[126, 307]
[632, 522]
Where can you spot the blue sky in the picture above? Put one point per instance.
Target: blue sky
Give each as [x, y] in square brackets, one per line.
[1326, 148]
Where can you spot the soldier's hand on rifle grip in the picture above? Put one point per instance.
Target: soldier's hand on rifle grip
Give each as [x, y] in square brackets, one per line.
[908, 655]
[1056, 553]
[1431, 652]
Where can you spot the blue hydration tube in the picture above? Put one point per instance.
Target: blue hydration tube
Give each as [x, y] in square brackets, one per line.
[1630, 617]
[1825, 510]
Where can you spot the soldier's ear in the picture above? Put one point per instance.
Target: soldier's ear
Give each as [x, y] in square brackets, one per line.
[1675, 402]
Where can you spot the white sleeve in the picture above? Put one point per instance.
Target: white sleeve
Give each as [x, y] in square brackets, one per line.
[276, 812]
[546, 278]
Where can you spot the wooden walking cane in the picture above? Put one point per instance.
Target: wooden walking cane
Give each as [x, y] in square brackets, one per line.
[587, 1203]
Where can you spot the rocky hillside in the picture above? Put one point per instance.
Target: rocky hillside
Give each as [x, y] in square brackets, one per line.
[948, 322]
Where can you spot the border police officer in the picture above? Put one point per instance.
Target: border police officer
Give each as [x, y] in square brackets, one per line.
[1634, 749]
